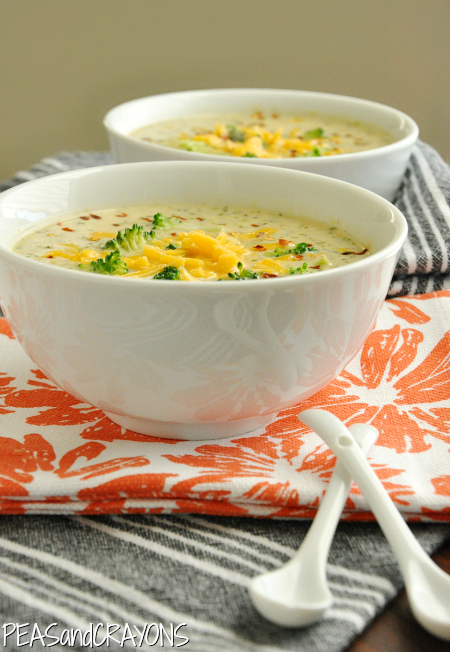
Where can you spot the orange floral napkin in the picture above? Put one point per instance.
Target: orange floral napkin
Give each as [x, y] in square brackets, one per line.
[61, 456]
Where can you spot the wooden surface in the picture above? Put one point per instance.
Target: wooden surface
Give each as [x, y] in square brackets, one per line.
[395, 630]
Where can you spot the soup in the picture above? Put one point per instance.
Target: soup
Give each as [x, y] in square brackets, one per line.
[265, 135]
[189, 243]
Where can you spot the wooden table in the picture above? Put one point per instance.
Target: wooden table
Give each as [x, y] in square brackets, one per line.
[395, 630]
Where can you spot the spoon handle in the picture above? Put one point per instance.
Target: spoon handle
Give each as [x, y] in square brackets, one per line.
[341, 442]
[320, 535]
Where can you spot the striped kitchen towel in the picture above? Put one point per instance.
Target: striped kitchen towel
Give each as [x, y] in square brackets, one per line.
[423, 197]
[188, 573]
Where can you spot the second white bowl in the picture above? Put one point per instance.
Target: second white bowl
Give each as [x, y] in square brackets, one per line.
[379, 170]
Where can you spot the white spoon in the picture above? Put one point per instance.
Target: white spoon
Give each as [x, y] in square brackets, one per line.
[297, 594]
[427, 586]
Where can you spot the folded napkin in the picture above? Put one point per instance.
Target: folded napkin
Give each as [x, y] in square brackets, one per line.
[63, 456]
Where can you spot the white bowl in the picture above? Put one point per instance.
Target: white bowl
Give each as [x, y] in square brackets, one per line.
[379, 170]
[195, 360]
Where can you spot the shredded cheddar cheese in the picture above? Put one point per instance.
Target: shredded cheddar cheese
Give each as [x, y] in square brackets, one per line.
[202, 255]
[256, 141]
[99, 235]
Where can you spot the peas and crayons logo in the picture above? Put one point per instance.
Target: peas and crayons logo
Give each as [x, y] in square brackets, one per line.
[99, 635]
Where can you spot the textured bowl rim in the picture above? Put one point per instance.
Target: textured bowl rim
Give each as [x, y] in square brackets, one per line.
[406, 141]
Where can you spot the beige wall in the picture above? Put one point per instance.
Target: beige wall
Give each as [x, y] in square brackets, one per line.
[66, 62]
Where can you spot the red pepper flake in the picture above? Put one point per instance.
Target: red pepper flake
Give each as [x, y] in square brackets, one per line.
[260, 234]
[283, 242]
[66, 228]
[309, 244]
[267, 275]
[315, 267]
[121, 214]
[180, 218]
[84, 217]
[174, 234]
[147, 219]
[255, 225]
[96, 217]
[274, 116]
[298, 256]
[116, 224]
[49, 256]
[259, 248]
[200, 219]
[59, 223]
[355, 253]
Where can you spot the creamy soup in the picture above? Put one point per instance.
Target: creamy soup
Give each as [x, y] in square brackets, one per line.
[264, 135]
[190, 243]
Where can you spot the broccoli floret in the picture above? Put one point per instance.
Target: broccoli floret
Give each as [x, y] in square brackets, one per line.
[130, 239]
[135, 238]
[158, 220]
[235, 134]
[194, 146]
[324, 260]
[161, 222]
[280, 252]
[110, 244]
[313, 133]
[112, 264]
[242, 274]
[169, 273]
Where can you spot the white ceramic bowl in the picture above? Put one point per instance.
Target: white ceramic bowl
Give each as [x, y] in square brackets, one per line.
[379, 170]
[195, 360]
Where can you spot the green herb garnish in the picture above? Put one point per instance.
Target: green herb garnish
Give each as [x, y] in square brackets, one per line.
[243, 274]
[303, 269]
[300, 248]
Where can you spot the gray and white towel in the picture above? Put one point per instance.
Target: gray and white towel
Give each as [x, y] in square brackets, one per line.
[424, 199]
[143, 572]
